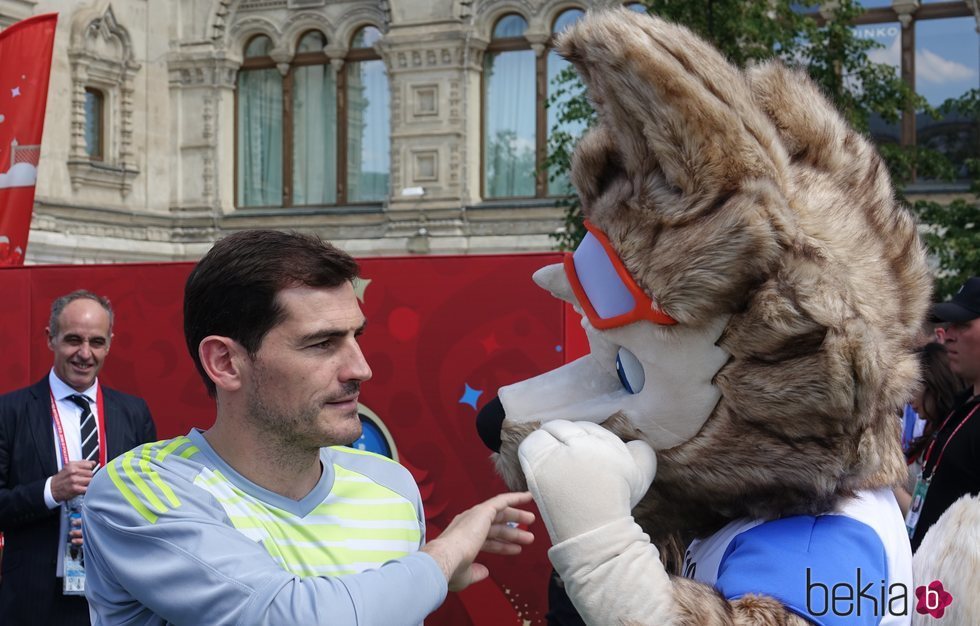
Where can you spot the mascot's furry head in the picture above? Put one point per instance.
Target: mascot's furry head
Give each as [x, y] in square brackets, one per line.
[746, 209]
[750, 288]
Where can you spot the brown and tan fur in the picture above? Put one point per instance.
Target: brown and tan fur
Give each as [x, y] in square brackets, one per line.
[744, 193]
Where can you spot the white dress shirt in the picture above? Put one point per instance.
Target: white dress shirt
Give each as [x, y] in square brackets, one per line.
[70, 414]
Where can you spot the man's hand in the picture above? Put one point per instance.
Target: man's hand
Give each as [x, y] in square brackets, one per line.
[75, 533]
[488, 527]
[72, 480]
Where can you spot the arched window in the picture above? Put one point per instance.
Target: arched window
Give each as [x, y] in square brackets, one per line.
[560, 186]
[259, 138]
[509, 110]
[325, 134]
[368, 127]
[517, 120]
[314, 137]
[94, 124]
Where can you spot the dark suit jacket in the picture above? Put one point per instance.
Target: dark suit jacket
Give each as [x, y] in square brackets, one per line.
[30, 593]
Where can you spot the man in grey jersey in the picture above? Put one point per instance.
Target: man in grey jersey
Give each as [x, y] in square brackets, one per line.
[266, 517]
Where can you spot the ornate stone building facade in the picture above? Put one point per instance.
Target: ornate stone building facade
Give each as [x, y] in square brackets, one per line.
[144, 156]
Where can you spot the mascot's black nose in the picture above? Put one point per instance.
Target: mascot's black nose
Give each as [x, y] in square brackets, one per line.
[488, 423]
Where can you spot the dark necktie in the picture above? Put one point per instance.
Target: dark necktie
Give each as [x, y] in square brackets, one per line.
[90, 436]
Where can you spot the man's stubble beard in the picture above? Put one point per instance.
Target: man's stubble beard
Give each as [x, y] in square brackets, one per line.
[290, 434]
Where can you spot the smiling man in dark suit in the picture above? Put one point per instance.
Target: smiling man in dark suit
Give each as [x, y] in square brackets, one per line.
[53, 436]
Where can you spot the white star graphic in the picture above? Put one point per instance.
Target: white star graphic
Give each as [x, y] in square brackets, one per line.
[15, 92]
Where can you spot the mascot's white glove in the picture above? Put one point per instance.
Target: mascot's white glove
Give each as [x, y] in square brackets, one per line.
[583, 477]
[586, 482]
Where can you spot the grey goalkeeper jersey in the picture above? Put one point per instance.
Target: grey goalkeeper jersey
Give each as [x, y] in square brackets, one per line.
[173, 534]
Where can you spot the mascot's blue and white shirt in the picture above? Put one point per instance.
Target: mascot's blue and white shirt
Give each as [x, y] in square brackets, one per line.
[853, 566]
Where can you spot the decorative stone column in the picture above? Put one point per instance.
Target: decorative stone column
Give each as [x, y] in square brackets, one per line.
[434, 73]
[202, 91]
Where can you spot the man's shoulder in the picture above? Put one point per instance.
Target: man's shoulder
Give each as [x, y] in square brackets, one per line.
[26, 394]
[380, 469]
[355, 459]
[965, 400]
[114, 395]
[167, 455]
[147, 480]
[967, 406]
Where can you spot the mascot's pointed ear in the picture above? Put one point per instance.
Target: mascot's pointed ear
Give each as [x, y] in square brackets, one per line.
[646, 77]
[809, 127]
[552, 278]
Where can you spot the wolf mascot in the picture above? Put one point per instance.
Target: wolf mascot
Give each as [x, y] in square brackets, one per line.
[751, 292]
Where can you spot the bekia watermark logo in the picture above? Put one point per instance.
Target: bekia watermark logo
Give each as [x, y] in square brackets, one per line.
[932, 599]
[862, 597]
[856, 598]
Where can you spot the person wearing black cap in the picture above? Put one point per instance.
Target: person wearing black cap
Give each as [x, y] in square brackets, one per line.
[949, 468]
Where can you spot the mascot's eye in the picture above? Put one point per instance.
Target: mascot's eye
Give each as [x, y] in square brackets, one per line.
[630, 371]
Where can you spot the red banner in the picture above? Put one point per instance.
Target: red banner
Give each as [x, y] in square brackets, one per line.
[25, 64]
[444, 334]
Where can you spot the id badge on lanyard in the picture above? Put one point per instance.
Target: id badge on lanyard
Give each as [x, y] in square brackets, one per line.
[918, 499]
[922, 482]
[73, 582]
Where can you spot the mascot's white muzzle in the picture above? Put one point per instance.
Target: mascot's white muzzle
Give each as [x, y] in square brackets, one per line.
[658, 377]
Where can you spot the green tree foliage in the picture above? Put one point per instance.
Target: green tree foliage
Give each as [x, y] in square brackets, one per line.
[568, 95]
[828, 48]
[952, 231]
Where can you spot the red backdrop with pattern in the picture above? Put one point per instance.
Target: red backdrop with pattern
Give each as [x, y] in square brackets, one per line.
[444, 333]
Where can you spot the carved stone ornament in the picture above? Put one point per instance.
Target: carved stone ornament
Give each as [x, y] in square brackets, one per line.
[101, 57]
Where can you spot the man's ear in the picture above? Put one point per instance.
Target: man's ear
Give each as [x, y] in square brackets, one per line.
[47, 333]
[222, 358]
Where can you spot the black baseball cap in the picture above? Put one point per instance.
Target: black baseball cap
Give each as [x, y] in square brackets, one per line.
[962, 307]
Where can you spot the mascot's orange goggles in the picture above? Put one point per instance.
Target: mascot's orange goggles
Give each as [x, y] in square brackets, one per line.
[604, 287]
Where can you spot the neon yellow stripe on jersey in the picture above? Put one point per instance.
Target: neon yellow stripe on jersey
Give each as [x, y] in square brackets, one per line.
[360, 525]
[349, 450]
[138, 467]
[316, 552]
[165, 450]
[128, 494]
[127, 463]
[165, 489]
[367, 538]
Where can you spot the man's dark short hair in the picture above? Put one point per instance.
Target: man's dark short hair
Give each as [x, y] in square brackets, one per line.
[54, 322]
[232, 290]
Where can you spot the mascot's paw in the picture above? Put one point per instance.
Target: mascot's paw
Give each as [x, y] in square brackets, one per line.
[584, 477]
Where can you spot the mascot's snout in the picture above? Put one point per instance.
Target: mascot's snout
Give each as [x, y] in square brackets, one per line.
[652, 372]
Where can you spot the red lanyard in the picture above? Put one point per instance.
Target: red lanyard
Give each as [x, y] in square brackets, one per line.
[56, 418]
[928, 454]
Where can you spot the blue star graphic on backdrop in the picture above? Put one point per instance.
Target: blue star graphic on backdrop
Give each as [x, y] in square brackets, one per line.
[470, 396]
